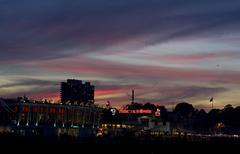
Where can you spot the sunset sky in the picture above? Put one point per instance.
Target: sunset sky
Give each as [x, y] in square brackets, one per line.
[169, 51]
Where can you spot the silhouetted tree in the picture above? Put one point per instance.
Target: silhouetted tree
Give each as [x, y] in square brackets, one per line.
[149, 106]
[199, 121]
[228, 116]
[214, 117]
[134, 106]
[228, 107]
[237, 117]
[184, 109]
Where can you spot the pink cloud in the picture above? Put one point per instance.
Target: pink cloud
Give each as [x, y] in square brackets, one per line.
[196, 57]
[120, 95]
[163, 95]
[118, 70]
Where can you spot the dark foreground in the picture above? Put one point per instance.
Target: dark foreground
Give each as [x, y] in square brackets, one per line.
[128, 144]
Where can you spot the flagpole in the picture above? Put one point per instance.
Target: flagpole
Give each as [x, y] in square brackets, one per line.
[211, 100]
[212, 104]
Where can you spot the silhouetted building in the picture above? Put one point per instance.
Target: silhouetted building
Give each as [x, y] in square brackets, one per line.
[77, 92]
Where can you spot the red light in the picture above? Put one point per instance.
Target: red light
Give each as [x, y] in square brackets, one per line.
[25, 109]
[157, 113]
[141, 111]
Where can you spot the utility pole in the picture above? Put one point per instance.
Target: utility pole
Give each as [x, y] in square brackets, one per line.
[132, 96]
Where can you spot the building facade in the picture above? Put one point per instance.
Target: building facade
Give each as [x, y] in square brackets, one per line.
[22, 115]
[77, 92]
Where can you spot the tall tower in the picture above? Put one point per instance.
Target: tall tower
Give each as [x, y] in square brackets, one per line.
[132, 96]
[76, 92]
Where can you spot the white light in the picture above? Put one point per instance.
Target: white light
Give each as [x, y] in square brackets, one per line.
[113, 111]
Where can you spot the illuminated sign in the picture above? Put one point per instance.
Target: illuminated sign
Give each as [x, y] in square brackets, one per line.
[141, 111]
[157, 113]
[113, 111]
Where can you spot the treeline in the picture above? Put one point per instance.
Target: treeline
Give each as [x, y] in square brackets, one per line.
[226, 120]
[185, 117]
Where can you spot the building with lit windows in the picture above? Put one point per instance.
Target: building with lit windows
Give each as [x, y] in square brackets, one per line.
[21, 115]
[77, 92]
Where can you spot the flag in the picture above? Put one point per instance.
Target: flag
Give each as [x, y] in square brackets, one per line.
[211, 100]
